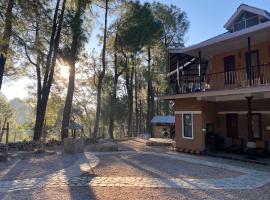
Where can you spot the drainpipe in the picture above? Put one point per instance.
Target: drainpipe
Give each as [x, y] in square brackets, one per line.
[199, 67]
[249, 70]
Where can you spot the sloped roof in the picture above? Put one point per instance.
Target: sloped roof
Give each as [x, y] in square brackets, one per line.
[222, 38]
[74, 125]
[245, 7]
[169, 119]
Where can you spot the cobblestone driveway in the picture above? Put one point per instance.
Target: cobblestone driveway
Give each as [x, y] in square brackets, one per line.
[81, 173]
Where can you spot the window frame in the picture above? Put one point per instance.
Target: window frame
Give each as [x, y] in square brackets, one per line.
[245, 22]
[183, 129]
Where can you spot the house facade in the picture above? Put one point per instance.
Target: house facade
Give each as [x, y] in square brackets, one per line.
[221, 86]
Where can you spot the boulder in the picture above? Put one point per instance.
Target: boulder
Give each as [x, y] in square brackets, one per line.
[2, 158]
[102, 147]
[73, 145]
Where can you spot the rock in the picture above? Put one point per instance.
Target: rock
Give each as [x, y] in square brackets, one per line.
[144, 136]
[159, 142]
[102, 140]
[2, 158]
[187, 150]
[173, 144]
[198, 152]
[72, 145]
[180, 149]
[103, 147]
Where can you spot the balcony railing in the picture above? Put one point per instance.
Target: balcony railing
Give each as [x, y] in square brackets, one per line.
[239, 78]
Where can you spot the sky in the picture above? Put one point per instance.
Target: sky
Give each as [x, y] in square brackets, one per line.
[207, 18]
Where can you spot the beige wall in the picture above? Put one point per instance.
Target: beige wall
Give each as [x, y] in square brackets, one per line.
[197, 143]
[240, 57]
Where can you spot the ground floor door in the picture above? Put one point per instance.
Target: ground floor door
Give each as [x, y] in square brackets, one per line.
[232, 125]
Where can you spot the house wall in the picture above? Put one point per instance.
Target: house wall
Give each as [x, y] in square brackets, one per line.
[209, 113]
[189, 105]
[217, 61]
[257, 106]
[213, 112]
[197, 143]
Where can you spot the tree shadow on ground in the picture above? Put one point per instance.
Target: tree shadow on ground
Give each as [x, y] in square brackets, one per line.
[34, 166]
[82, 189]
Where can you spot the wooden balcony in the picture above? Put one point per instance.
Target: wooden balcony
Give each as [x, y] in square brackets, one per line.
[239, 78]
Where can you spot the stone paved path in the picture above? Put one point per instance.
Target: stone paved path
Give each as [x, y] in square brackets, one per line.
[79, 175]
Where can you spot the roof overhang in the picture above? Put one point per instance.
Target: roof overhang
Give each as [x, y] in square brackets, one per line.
[242, 8]
[228, 41]
[258, 92]
[169, 119]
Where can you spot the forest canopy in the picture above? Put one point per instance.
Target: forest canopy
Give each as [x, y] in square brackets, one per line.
[111, 89]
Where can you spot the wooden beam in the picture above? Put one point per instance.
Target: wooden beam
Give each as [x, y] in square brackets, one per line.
[249, 118]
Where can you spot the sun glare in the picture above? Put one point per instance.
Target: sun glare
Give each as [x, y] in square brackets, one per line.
[64, 71]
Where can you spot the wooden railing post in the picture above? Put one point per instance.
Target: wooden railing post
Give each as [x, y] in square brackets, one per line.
[239, 78]
[7, 137]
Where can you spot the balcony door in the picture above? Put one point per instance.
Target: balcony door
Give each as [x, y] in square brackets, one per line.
[255, 65]
[229, 70]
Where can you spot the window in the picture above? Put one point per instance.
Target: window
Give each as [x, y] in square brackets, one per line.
[252, 21]
[246, 20]
[239, 26]
[187, 124]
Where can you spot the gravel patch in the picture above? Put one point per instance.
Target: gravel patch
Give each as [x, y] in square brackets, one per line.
[151, 166]
[113, 166]
[140, 145]
[35, 166]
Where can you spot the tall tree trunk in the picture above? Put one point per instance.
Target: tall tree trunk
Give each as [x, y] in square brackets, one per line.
[97, 120]
[102, 74]
[136, 103]
[112, 110]
[113, 96]
[76, 31]
[6, 39]
[68, 102]
[149, 94]
[49, 69]
[140, 118]
[129, 85]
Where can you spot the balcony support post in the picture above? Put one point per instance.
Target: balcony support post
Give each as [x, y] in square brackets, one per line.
[249, 70]
[200, 69]
[251, 144]
[249, 118]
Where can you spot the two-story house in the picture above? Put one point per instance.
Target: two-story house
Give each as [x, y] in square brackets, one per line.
[222, 85]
